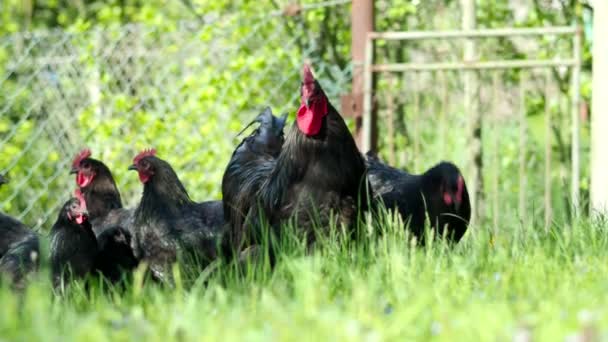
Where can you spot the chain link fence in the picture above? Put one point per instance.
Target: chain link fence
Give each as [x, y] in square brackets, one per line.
[185, 90]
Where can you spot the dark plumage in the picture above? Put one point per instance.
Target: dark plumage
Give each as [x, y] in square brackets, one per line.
[97, 184]
[115, 258]
[168, 223]
[111, 222]
[248, 168]
[439, 194]
[319, 170]
[19, 249]
[74, 247]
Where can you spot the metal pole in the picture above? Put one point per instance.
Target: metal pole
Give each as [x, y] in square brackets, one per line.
[361, 24]
[470, 89]
[599, 109]
[575, 88]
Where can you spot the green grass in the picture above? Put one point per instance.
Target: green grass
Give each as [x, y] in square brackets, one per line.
[521, 281]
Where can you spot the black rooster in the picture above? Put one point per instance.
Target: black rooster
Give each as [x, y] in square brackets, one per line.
[439, 194]
[73, 246]
[168, 224]
[249, 166]
[319, 173]
[19, 249]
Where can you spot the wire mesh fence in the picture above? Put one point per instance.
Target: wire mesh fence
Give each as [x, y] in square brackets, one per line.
[186, 91]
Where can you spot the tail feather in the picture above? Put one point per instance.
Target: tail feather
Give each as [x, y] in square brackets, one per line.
[248, 168]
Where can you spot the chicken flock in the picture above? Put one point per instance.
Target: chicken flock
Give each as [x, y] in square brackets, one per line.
[310, 182]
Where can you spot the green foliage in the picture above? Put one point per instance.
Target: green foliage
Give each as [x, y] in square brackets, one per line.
[184, 87]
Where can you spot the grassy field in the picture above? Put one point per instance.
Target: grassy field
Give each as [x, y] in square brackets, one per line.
[522, 283]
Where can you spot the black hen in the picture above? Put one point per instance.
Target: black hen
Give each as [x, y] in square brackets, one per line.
[19, 249]
[111, 222]
[319, 173]
[73, 247]
[439, 194]
[168, 224]
[248, 168]
[97, 184]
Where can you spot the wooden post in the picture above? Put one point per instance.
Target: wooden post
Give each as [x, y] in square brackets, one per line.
[470, 107]
[599, 109]
[362, 22]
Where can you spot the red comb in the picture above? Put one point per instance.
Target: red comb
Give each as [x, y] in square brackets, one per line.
[84, 154]
[149, 152]
[307, 74]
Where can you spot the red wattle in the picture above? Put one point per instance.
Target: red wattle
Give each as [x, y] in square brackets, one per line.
[310, 119]
[447, 199]
[79, 219]
[83, 180]
[143, 178]
[308, 123]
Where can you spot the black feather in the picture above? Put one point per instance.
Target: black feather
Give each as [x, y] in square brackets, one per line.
[249, 166]
[74, 247]
[168, 224]
[417, 197]
[19, 249]
[317, 177]
[106, 212]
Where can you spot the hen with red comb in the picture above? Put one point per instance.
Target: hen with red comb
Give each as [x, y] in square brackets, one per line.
[439, 194]
[94, 179]
[319, 177]
[96, 183]
[168, 224]
[73, 244]
[111, 222]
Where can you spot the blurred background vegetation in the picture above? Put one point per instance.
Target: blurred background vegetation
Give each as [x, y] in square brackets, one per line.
[186, 76]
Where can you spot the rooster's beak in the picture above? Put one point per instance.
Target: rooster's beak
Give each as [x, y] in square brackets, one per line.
[307, 102]
[73, 171]
[133, 167]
